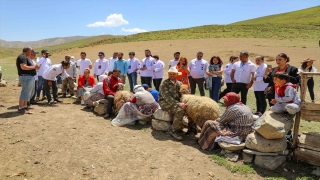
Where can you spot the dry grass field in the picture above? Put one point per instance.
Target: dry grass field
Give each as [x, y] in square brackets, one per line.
[66, 142]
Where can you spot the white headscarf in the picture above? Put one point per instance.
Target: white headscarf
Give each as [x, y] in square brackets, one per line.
[138, 88]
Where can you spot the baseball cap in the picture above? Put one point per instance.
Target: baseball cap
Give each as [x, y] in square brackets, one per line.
[145, 86]
[72, 57]
[45, 51]
[101, 53]
[34, 52]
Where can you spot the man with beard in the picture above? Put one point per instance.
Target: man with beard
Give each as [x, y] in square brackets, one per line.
[121, 64]
[44, 64]
[175, 61]
[146, 71]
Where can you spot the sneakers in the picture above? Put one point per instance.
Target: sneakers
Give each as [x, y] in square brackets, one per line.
[59, 101]
[44, 98]
[37, 99]
[21, 110]
[82, 102]
[175, 134]
[106, 116]
[51, 102]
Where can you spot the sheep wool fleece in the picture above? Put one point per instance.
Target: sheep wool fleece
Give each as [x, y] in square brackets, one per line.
[169, 98]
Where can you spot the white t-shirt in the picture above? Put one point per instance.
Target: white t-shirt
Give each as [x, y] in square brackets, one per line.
[111, 63]
[258, 84]
[198, 68]
[35, 76]
[312, 70]
[227, 71]
[53, 71]
[100, 67]
[173, 63]
[243, 71]
[158, 68]
[45, 64]
[83, 65]
[148, 63]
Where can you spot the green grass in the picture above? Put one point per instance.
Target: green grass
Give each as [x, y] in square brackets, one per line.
[234, 168]
[309, 16]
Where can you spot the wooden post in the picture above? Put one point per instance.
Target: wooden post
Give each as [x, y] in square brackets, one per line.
[304, 79]
[296, 130]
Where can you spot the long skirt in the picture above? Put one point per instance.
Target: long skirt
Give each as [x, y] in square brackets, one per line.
[209, 132]
[130, 112]
[93, 98]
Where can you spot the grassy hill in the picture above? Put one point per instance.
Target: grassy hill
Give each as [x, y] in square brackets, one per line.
[310, 16]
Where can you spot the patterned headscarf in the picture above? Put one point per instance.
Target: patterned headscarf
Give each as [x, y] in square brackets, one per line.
[231, 98]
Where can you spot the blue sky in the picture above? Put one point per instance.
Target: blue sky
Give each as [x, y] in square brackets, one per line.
[30, 20]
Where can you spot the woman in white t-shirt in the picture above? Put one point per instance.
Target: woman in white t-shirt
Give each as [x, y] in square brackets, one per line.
[307, 67]
[259, 86]
[227, 78]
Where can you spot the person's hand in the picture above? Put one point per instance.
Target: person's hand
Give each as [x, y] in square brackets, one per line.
[249, 85]
[50, 83]
[183, 105]
[233, 80]
[273, 101]
[254, 79]
[95, 76]
[268, 70]
[37, 66]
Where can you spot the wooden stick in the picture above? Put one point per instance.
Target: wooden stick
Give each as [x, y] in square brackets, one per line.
[304, 79]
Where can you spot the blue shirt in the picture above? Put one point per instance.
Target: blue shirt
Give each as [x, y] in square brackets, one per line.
[155, 94]
[122, 66]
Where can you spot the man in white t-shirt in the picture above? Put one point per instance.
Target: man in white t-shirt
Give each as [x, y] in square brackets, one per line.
[242, 75]
[133, 67]
[158, 70]
[198, 69]
[83, 63]
[101, 66]
[111, 61]
[44, 64]
[174, 62]
[146, 70]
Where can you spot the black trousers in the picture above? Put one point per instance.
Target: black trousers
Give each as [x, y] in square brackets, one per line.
[261, 102]
[241, 87]
[228, 89]
[156, 83]
[146, 80]
[110, 99]
[310, 84]
[193, 82]
[47, 90]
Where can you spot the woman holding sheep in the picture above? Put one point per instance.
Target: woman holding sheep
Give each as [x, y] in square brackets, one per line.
[213, 81]
[235, 121]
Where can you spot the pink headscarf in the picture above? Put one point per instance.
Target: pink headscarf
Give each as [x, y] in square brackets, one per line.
[231, 98]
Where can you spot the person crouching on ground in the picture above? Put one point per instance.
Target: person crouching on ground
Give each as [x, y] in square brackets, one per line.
[286, 95]
[50, 80]
[169, 101]
[96, 93]
[237, 120]
[85, 81]
[153, 92]
[141, 106]
[110, 87]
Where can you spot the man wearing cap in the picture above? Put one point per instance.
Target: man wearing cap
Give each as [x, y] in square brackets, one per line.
[101, 66]
[146, 71]
[133, 67]
[83, 63]
[111, 61]
[197, 75]
[169, 101]
[44, 63]
[158, 70]
[72, 71]
[110, 87]
[50, 80]
[174, 62]
[33, 57]
[26, 72]
[121, 64]
[153, 92]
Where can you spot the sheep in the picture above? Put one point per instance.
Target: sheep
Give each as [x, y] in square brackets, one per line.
[199, 108]
[120, 98]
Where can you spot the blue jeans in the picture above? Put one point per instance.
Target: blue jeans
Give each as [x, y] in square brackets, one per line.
[27, 87]
[132, 80]
[214, 92]
[40, 86]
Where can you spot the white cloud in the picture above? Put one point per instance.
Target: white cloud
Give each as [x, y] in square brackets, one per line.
[134, 30]
[113, 20]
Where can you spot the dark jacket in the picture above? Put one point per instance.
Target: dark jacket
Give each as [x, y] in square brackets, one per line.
[291, 70]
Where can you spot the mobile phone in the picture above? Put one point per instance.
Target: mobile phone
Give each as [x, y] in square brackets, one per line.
[183, 64]
[269, 66]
